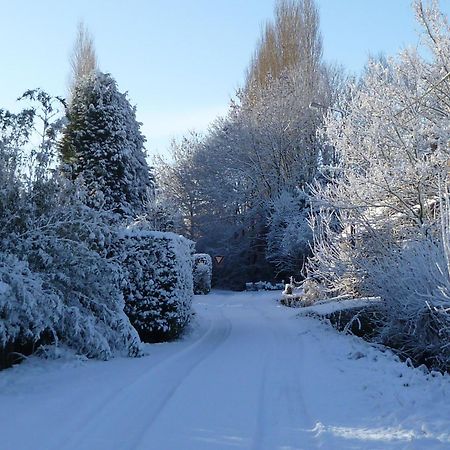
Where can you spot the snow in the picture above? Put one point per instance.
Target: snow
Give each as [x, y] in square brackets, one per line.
[250, 374]
[202, 273]
[4, 288]
[159, 286]
[325, 308]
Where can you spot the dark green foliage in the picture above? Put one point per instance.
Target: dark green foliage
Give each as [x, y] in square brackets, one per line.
[103, 144]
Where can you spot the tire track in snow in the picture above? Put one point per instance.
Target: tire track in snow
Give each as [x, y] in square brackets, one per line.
[121, 421]
[262, 418]
[108, 399]
[225, 414]
[283, 418]
[221, 334]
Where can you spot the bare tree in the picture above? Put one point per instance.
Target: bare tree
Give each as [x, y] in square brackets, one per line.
[291, 41]
[83, 60]
[180, 182]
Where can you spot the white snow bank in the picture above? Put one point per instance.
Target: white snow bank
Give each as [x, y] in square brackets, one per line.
[253, 375]
[325, 307]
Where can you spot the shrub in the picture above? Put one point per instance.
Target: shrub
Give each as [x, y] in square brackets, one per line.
[68, 302]
[58, 284]
[158, 284]
[414, 281]
[66, 244]
[202, 273]
[28, 310]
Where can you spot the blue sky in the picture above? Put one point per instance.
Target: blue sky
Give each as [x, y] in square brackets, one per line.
[182, 60]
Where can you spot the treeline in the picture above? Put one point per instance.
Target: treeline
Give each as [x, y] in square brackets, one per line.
[239, 189]
[343, 181]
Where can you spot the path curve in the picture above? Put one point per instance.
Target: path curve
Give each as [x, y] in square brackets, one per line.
[250, 375]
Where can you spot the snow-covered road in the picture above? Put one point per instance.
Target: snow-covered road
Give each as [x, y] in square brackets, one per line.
[250, 375]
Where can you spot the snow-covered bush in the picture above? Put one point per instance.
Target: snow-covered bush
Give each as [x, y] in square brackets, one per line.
[158, 285]
[301, 294]
[333, 261]
[202, 273]
[66, 245]
[57, 247]
[66, 288]
[414, 281]
[378, 230]
[29, 310]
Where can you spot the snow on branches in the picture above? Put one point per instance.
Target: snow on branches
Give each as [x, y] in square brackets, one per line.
[103, 144]
[379, 231]
[158, 285]
[202, 273]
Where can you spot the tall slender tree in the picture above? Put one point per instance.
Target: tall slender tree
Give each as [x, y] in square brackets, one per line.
[292, 41]
[83, 60]
[102, 141]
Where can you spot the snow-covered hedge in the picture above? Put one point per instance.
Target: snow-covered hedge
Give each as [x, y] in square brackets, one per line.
[202, 273]
[158, 286]
[57, 283]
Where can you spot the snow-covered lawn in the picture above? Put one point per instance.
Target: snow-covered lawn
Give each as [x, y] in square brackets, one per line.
[250, 375]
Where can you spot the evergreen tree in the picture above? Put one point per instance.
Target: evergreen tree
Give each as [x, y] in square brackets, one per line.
[103, 145]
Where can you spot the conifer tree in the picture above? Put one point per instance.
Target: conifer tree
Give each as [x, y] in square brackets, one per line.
[103, 144]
